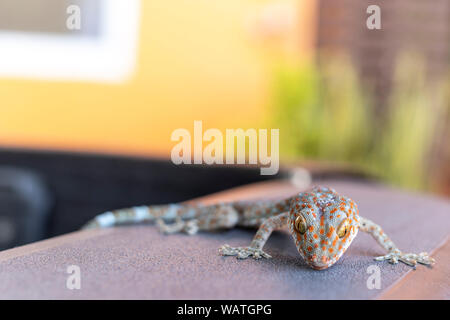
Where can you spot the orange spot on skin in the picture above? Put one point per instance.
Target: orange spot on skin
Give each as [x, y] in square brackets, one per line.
[346, 237]
[316, 245]
[331, 250]
[311, 228]
[333, 210]
[315, 236]
[340, 247]
[304, 236]
[325, 242]
[321, 221]
[309, 249]
[330, 232]
[324, 259]
[338, 216]
[324, 248]
[321, 231]
[334, 242]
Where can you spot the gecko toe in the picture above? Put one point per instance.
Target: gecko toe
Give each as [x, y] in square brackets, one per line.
[410, 259]
[243, 252]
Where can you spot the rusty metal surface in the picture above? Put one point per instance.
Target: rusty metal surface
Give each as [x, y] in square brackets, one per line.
[424, 285]
[139, 263]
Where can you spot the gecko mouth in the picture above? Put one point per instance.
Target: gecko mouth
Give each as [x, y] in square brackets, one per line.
[321, 263]
[317, 267]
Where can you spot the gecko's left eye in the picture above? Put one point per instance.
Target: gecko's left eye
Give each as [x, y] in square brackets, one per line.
[300, 224]
[343, 228]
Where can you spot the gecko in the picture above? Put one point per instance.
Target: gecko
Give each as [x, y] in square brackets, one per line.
[322, 223]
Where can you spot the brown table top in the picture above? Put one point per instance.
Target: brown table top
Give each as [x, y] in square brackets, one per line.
[137, 262]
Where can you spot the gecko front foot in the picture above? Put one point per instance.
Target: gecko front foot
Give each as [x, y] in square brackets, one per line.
[410, 259]
[243, 252]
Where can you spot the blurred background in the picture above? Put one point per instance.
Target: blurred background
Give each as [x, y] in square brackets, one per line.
[86, 113]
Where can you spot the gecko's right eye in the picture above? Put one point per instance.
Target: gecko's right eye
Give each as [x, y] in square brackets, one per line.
[300, 224]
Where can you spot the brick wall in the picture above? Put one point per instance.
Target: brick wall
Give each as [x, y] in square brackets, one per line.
[405, 24]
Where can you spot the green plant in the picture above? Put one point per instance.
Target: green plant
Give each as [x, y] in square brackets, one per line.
[325, 113]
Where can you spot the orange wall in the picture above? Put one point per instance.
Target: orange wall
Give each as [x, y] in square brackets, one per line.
[197, 60]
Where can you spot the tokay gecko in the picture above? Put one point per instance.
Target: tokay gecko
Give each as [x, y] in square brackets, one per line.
[322, 223]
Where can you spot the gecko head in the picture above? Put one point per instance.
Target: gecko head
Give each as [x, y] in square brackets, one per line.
[323, 225]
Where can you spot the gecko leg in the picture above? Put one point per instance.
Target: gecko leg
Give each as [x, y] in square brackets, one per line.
[394, 254]
[210, 218]
[258, 242]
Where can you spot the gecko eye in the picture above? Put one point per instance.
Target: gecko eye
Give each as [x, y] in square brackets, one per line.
[300, 224]
[343, 228]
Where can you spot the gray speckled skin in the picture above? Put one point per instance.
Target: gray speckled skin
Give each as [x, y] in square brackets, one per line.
[140, 263]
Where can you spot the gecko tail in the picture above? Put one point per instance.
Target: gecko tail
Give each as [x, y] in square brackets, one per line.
[132, 215]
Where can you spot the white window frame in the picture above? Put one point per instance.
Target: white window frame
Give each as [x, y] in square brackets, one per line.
[108, 57]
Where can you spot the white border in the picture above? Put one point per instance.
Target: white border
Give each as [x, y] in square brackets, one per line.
[109, 57]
